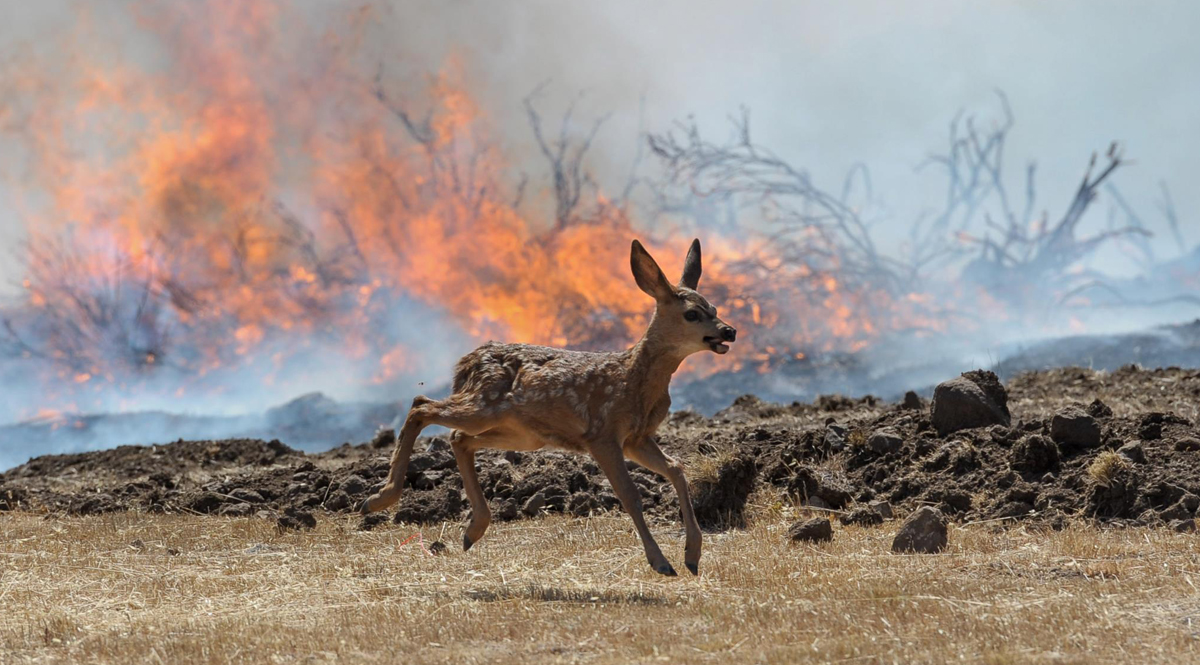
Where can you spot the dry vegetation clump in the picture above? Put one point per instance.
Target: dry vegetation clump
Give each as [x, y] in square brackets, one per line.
[127, 587]
[1106, 466]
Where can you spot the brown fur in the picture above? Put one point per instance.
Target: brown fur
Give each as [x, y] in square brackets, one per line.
[609, 405]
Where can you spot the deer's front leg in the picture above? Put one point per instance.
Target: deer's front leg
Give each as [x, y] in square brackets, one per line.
[612, 462]
[648, 454]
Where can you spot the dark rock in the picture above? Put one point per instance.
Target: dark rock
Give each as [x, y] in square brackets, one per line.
[883, 508]
[534, 503]
[1184, 526]
[809, 482]
[427, 480]
[912, 401]
[1150, 427]
[1133, 452]
[1187, 445]
[444, 503]
[371, 521]
[1034, 454]
[339, 500]
[582, 504]
[205, 502]
[923, 532]
[975, 399]
[812, 530]
[353, 485]
[1098, 409]
[236, 510]
[885, 440]
[506, 510]
[247, 495]
[384, 438]
[294, 519]
[1074, 427]
[861, 517]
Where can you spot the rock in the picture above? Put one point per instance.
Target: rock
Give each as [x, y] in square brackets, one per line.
[885, 440]
[205, 502]
[861, 517]
[506, 510]
[923, 532]
[1187, 445]
[1190, 501]
[534, 504]
[294, 519]
[236, 510]
[339, 500]
[975, 399]
[912, 401]
[817, 502]
[883, 508]
[1098, 409]
[582, 504]
[247, 495]
[371, 521]
[1150, 427]
[1180, 510]
[1184, 526]
[353, 485]
[384, 438]
[427, 480]
[834, 439]
[809, 482]
[1133, 452]
[1072, 426]
[1034, 454]
[812, 530]
[437, 547]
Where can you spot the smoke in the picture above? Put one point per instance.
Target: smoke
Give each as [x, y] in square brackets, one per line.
[827, 86]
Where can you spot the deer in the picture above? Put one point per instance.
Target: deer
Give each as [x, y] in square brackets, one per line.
[609, 405]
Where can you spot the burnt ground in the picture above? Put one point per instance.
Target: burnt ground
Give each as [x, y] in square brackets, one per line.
[1119, 447]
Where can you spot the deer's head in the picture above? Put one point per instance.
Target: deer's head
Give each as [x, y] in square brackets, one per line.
[683, 318]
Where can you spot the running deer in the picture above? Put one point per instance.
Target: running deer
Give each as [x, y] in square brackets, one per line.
[609, 405]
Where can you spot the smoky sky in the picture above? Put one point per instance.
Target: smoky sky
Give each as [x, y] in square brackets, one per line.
[827, 84]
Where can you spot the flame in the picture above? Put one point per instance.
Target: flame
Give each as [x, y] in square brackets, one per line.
[241, 209]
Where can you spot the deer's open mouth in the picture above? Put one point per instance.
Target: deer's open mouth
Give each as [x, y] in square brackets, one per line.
[716, 345]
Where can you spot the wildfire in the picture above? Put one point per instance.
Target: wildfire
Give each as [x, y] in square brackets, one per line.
[245, 207]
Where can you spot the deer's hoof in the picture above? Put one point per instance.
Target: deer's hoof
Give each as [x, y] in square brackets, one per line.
[693, 567]
[365, 507]
[665, 569]
[467, 542]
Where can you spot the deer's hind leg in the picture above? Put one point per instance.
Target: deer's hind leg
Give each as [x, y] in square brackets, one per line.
[464, 446]
[459, 412]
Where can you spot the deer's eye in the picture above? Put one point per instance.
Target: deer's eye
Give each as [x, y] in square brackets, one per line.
[691, 315]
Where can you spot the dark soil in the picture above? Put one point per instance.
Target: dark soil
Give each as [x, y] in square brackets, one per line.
[839, 454]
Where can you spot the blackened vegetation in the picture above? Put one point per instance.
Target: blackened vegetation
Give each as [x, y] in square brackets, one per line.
[1078, 444]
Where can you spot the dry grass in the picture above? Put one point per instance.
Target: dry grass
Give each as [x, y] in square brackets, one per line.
[138, 588]
[1106, 466]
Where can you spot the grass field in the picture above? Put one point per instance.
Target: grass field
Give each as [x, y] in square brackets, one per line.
[128, 588]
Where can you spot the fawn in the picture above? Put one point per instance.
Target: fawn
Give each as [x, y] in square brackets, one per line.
[609, 405]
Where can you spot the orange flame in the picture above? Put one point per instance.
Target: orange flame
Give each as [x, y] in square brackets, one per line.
[238, 206]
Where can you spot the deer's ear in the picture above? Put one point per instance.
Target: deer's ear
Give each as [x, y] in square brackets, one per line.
[691, 267]
[649, 276]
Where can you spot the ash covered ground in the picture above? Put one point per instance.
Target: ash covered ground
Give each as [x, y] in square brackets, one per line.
[1119, 447]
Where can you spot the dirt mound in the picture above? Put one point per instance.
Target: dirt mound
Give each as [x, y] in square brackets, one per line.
[1056, 458]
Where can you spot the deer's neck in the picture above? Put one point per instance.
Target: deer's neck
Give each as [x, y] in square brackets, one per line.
[653, 361]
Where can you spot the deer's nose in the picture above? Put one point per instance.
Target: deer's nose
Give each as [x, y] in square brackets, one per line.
[728, 333]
